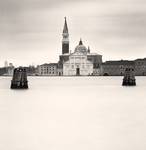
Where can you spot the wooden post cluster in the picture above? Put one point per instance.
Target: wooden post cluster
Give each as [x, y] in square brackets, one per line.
[19, 80]
[129, 77]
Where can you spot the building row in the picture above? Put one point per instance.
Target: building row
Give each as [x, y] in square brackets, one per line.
[108, 68]
[117, 68]
[7, 70]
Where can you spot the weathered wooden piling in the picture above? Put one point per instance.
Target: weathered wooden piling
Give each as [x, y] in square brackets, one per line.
[19, 80]
[129, 77]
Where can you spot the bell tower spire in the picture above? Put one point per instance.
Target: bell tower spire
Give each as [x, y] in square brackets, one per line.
[65, 29]
[65, 40]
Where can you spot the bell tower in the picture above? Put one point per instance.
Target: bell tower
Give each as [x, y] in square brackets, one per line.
[65, 40]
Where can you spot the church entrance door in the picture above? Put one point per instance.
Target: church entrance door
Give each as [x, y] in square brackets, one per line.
[77, 71]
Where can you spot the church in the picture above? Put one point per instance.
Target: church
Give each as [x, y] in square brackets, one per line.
[79, 63]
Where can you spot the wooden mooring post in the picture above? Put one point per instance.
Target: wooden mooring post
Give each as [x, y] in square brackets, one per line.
[19, 80]
[129, 77]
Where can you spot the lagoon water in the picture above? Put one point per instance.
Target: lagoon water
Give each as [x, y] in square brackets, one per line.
[73, 113]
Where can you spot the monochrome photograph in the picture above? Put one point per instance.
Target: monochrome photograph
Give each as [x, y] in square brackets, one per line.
[72, 75]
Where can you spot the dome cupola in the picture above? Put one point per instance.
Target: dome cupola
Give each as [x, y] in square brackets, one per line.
[81, 48]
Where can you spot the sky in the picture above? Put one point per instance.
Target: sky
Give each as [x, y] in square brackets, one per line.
[31, 30]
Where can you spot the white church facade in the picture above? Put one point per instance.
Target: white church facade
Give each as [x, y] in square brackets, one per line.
[78, 63]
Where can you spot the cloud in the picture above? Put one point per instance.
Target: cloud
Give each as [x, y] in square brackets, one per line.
[111, 26]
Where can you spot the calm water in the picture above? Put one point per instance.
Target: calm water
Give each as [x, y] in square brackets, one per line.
[80, 113]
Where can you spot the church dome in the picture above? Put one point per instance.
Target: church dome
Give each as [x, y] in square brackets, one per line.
[81, 48]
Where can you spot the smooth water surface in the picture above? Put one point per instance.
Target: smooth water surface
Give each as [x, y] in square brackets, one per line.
[73, 113]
